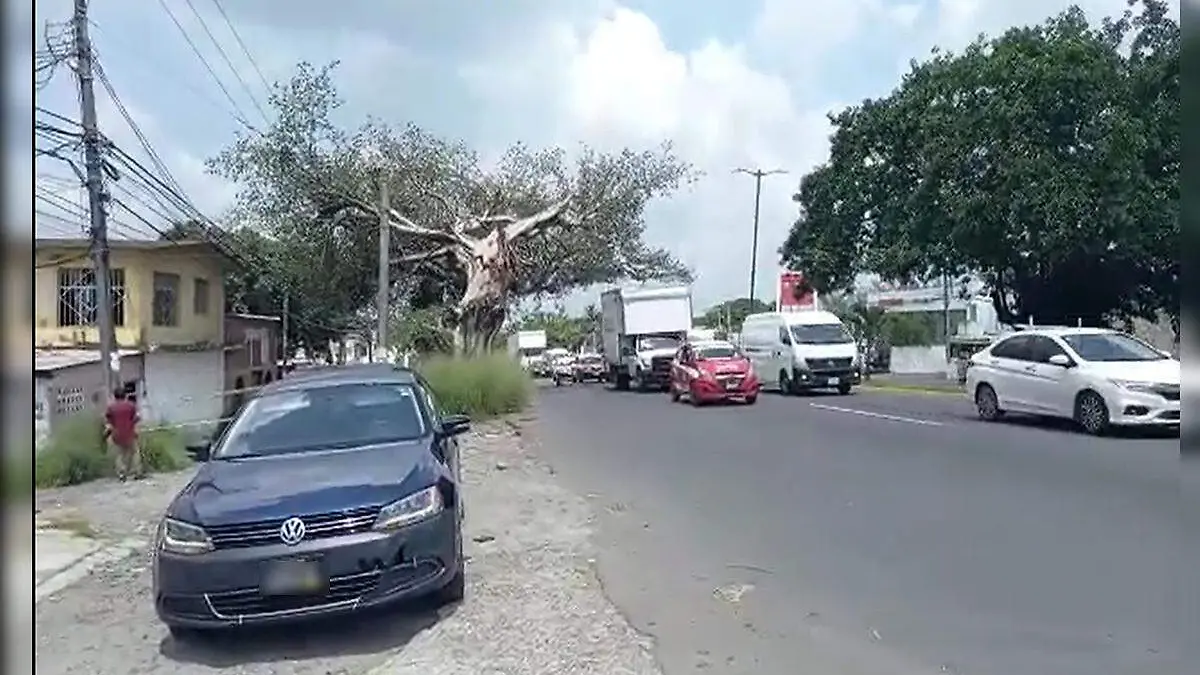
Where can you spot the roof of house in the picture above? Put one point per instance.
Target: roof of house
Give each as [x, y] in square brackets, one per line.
[49, 360]
[144, 244]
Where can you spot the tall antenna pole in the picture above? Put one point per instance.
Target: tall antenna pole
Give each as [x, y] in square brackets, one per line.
[383, 300]
[97, 198]
[758, 175]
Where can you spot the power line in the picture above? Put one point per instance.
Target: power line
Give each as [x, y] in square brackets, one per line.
[241, 115]
[224, 56]
[241, 43]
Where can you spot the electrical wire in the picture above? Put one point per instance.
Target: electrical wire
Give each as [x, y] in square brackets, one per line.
[225, 56]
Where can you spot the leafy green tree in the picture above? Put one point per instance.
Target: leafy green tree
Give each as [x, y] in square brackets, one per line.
[1045, 160]
[729, 315]
[473, 239]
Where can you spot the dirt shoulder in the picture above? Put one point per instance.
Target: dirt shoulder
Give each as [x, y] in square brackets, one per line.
[534, 603]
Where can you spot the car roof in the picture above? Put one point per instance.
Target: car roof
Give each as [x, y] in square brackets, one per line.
[1059, 331]
[329, 376]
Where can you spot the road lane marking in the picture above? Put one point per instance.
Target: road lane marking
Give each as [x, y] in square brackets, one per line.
[876, 415]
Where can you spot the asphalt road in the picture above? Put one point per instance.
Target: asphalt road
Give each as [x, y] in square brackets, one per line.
[884, 533]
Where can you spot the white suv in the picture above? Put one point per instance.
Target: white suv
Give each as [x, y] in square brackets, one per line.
[1097, 377]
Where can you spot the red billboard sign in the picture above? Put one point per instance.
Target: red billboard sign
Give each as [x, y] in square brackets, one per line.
[793, 293]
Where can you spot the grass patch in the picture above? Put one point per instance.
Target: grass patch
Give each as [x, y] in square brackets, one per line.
[482, 386]
[72, 523]
[76, 452]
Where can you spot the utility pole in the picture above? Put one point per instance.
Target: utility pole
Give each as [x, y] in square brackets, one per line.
[283, 336]
[385, 245]
[946, 311]
[758, 175]
[97, 198]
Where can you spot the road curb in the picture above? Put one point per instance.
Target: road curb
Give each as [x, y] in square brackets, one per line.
[912, 389]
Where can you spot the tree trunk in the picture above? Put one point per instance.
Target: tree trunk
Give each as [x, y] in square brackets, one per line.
[484, 305]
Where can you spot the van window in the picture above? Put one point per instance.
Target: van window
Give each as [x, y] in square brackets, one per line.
[820, 334]
[784, 336]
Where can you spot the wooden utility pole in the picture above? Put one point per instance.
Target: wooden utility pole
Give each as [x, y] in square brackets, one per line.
[758, 175]
[97, 198]
[285, 353]
[385, 245]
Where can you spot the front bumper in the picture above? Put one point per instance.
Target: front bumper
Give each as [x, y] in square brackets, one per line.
[807, 379]
[707, 391]
[221, 588]
[1142, 409]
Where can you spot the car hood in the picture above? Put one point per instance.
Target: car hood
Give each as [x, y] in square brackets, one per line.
[723, 366]
[227, 491]
[1165, 371]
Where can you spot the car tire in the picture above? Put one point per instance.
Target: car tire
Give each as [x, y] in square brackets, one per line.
[1091, 413]
[751, 400]
[844, 389]
[987, 404]
[455, 590]
[785, 383]
[674, 395]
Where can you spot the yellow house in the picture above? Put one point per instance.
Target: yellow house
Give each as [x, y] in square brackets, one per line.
[166, 294]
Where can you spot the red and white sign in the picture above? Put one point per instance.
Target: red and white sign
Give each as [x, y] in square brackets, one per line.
[792, 294]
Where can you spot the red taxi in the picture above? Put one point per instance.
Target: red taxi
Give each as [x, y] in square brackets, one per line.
[713, 371]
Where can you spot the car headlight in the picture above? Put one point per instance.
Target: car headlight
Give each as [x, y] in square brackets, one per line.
[1140, 387]
[176, 536]
[412, 509]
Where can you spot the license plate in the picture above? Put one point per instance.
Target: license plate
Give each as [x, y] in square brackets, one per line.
[732, 384]
[833, 381]
[294, 577]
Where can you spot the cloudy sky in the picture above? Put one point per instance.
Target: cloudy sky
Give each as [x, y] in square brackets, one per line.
[733, 83]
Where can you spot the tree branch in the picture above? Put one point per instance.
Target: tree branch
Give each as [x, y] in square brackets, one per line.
[529, 224]
[423, 256]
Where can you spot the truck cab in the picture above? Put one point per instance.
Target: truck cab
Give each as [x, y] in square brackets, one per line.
[643, 329]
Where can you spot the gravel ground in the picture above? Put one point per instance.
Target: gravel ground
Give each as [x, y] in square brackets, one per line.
[534, 603]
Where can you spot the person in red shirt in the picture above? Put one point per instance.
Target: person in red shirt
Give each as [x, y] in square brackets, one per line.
[122, 420]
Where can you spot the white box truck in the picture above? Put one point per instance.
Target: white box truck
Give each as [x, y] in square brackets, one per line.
[642, 329]
[527, 347]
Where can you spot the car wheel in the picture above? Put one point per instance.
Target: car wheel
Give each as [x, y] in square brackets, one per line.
[987, 403]
[785, 383]
[843, 389]
[751, 400]
[1091, 413]
[674, 395]
[455, 590]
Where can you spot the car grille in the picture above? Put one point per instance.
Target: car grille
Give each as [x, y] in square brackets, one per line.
[1170, 393]
[316, 526]
[829, 364]
[249, 601]
[731, 380]
[661, 364]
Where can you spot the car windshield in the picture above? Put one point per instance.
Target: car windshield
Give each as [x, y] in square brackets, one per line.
[648, 343]
[324, 418]
[1111, 347]
[716, 352]
[820, 334]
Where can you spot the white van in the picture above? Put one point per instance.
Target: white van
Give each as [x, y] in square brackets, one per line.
[799, 351]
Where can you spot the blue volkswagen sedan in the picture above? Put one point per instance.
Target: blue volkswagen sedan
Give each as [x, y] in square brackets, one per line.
[331, 492]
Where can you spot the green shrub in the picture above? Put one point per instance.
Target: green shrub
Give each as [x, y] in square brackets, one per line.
[76, 452]
[482, 387]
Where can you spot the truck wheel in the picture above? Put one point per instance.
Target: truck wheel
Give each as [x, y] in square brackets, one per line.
[621, 380]
[844, 388]
[785, 383]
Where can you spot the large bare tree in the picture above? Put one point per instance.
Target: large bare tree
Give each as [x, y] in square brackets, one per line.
[538, 222]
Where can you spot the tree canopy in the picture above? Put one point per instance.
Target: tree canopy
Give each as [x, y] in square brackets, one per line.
[312, 188]
[1045, 160]
[729, 315]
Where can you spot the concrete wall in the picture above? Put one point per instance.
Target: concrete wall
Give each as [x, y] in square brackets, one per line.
[81, 388]
[188, 261]
[918, 360]
[240, 331]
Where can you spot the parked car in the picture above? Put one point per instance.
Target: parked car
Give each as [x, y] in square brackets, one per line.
[1100, 378]
[328, 494]
[590, 368]
[712, 371]
[563, 370]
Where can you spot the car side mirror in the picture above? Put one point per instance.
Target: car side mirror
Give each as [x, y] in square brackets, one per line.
[455, 425]
[200, 452]
[1061, 360]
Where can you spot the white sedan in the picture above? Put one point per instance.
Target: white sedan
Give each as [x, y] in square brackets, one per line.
[1099, 378]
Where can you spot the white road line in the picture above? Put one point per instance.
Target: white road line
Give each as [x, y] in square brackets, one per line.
[881, 416]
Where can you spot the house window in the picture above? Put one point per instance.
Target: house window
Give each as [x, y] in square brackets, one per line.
[200, 297]
[77, 296]
[166, 299]
[254, 346]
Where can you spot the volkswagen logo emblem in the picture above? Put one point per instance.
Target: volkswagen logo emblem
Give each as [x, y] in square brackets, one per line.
[292, 531]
